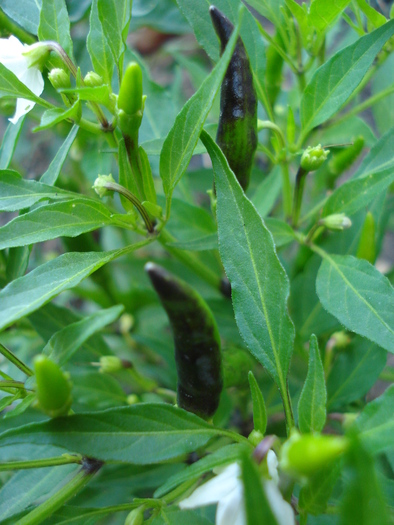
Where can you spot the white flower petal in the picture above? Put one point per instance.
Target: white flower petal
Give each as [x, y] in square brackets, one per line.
[272, 464]
[213, 490]
[282, 510]
[23, 106]
[231, 509]
[32, 78]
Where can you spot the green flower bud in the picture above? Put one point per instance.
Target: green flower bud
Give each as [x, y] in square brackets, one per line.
[130, 93]
[132, 399]
[303, 455]
[53, 387]
[236, 365]
[313, 157]
[92, 79]
[336, 222]
[59, 78]
[100, 182]
[110, 364]
[136, 517]
[255, 437]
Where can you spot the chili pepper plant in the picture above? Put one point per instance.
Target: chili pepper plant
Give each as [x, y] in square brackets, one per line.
[196, 265]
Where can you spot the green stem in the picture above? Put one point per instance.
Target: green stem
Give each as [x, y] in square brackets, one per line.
[14, 360]
[11, 384]
[289, 417]
[298, 193]
[190, 260]
[267, 124]
[52, 504]
[277, 47]
[286, 190]
[66, 459]
[13, 29]
[113, 186]
[363, 105]
[131, 144]
[262, 95]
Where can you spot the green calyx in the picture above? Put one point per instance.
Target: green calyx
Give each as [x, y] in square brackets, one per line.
[53, 387]
[303, 455]
[313, 158]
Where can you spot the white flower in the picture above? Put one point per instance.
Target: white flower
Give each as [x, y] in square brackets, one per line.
[226, 489]
[23, 61]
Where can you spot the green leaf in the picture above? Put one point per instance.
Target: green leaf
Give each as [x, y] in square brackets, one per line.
[26, 486]
[183, 136]
[51, 117]
[354, 373]
[260, 286]
[98, 48]
[222, 456]
[362, 502]
[67, 219]
[10, 86]
[312, 403]
[271, 9]
[259, 410]
[28, 293]
[322, 13]
[63, 344]
[26, 13]
[333, 83]
[359, 296]
[200, 244]
[55, 24]
[174, 516]
[17, 262]
[373, 16]
[17, 193]
[9, 143]
[376, 423]
[97, 391]
[53, 171]
[99, 94]
[315, 494]
[142, 434]
[267, 193]
[115, 18]
[282, 233]
[374, 175]
[257, 507]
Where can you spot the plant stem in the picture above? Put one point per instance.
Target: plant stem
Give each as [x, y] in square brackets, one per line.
[113, 186]
[131, 144]
[262, 95]
[11, 384]
[14, 360]
[286, 189]
[66, 459]
[52, 504]
[289, 417]
[190, 260]
[298, 193]
[279, 50]
[267, 124]
[13, 29]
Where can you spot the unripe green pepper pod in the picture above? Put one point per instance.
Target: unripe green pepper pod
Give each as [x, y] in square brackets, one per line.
[53, 387]
[197, 343]
[135, 517]
[303, 455]
[237, 130]
[130, 100]
[342, 160]
[367, 244]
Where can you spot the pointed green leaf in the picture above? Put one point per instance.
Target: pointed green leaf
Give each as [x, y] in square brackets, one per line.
[260, 286]
[67, 219]
[17, 193]
[259, 410]
[63, 344]
[10, 86]
[179, 145]
[313, 398]
[322, 13]
[359, 296]
[28, 293]
[142, 434]
[333, 83]
[51, 117]
[376, 423]
[99, 50]
[26, 13]
[53, 171]
[55, 24]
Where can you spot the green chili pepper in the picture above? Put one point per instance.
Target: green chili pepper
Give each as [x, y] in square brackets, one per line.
[367, 244]
[197, 342]
[131, 100]
[237, 131]
[53, 387]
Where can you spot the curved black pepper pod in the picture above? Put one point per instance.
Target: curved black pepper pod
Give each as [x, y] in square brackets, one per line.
[237, 130]
[197, 342]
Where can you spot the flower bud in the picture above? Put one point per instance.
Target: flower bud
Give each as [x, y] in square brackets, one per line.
[100, 182]
[336, 222]
[59, 78]
[313, 157]
[110, 364]
[305, 454]
[130, 92]
[92, 79]
[255, 437]
[132, 399]
[53, 387]
[135, 517]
